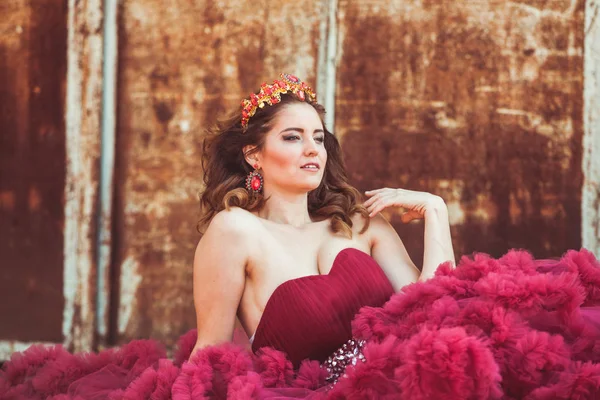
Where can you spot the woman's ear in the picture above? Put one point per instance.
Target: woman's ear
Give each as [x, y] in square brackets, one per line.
[250, 156]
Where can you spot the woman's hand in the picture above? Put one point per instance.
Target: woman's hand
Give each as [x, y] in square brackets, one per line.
[416, 203]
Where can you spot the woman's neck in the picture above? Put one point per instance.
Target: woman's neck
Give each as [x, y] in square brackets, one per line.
[286, 209]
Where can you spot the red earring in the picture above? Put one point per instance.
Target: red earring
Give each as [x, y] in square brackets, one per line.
[254, 181]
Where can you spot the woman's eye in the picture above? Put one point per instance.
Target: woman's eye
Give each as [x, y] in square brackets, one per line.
[318, 139]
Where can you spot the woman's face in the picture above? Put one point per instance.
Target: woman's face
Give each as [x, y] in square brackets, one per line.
[293, 157]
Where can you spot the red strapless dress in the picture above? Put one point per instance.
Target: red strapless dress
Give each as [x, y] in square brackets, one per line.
[310, 317]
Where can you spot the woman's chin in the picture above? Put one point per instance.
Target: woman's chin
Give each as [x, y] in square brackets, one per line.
[306, 187]
[313, 184]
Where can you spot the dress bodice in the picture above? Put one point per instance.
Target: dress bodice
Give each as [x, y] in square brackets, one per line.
[310, 317]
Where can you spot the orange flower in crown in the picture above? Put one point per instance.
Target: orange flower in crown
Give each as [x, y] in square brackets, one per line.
[271, 94]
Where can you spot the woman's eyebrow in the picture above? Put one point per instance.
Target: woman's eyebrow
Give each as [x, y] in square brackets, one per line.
[294, 129]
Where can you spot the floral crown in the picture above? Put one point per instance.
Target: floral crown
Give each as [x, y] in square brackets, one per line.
[271, 94]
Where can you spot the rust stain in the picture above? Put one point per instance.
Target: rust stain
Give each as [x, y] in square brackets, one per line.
[34, 199]
[32, 168]
[484, 98]
[7, 200]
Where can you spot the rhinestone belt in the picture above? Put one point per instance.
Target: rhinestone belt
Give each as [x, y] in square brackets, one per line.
[349, 354]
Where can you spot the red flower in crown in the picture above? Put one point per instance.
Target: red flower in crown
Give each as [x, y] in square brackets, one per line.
[271, 94]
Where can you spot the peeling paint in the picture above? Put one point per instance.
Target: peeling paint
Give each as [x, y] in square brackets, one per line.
[8, 347]
[107, 165]
[328, 52]
[129, 282]
[84, 84]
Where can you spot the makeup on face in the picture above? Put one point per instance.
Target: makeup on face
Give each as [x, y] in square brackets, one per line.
[294, 152]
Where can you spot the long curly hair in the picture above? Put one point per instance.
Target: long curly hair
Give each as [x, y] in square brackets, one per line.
[225, 170]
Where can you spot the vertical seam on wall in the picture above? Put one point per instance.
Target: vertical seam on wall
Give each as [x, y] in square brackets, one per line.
[72, 143]
[107, 164]
[82, 145]
[326, 71]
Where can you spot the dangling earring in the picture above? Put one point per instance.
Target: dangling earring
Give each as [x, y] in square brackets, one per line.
[254, 181]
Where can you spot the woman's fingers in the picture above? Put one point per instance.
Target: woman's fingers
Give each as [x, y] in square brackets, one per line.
[371, 207]
[370, 201]
[379, 201]
[413, 202]
[375, 210]
[371, 204]
[375, 197]
[381, 204]
[378, 206]
[375, 191]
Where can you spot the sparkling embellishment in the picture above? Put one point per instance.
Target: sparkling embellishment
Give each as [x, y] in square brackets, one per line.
[349, 354]
[254, 182]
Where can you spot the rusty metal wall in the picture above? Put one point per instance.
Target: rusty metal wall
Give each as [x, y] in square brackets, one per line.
[32, 168]
[479, 102]
[180, 65]
[50, 107]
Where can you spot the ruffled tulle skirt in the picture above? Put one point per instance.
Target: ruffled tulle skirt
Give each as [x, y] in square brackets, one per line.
[508, 328]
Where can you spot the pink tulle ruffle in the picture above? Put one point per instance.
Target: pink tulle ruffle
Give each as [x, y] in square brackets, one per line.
[508, 328]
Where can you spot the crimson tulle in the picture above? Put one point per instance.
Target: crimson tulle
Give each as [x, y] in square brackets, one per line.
[508, 328]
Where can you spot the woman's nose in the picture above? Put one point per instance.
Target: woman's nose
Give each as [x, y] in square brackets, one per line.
[311, 147]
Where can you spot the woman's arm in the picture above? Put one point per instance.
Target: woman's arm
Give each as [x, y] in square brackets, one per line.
[438, 241]
[389, 252]
[219, 278]
[386, 244]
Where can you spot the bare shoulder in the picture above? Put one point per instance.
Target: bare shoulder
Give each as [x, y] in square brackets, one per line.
[379, 222]
[380, 229]
[358, 221]
[236, 220]
[228, 227]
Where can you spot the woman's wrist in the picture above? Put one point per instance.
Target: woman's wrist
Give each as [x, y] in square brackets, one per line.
[436, 207]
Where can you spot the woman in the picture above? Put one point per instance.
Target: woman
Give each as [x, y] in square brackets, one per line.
[325, 289]
[299, 218]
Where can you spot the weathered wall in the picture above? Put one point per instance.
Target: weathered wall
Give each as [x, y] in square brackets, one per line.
[50, 103]
[480, 102]
[180, 65]
[32, 169]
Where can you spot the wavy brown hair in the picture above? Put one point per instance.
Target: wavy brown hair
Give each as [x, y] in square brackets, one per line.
[225, 170]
